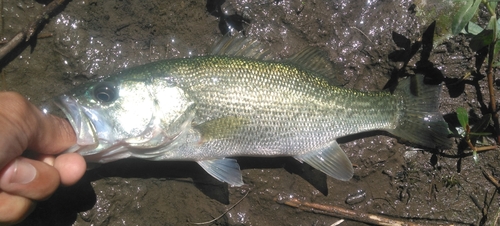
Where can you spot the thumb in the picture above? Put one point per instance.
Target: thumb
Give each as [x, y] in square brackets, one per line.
[29, 178]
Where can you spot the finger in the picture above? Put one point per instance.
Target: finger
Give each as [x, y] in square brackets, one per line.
[29, 178]
[25, 126]
[53, 136]
[71, 168]
[14, 208]
[14, 141]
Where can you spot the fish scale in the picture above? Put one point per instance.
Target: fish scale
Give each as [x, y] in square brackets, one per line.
[328, 112]
[238, 103]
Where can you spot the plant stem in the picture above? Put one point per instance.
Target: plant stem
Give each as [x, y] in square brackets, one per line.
[488, 6]
[486, 148]
[491, 89]
[492, 55]
[489, 72]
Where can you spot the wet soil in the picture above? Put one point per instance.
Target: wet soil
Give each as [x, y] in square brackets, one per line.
[368, 41]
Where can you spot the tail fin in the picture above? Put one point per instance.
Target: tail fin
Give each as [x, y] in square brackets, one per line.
[419, 120]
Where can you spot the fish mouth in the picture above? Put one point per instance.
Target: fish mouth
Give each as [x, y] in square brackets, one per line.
[85, 131]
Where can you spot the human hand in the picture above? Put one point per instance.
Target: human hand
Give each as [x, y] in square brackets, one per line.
[24, 181]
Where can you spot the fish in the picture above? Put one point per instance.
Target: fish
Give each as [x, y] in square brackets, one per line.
[239, 101]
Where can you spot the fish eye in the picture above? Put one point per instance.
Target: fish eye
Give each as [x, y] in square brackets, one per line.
[105, 92]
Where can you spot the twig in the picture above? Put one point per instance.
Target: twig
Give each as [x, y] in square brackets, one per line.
[26, 34]
[363, 33]
[230, 208]
[490, 177]
[486, 148]
[12, 44]
[496, 218]
[40, 36]
[338, 222]
[344, 213]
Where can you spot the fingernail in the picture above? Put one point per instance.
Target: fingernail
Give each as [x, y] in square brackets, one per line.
[23, 172]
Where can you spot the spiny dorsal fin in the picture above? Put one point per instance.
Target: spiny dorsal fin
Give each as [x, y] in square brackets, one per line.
[317, 62]
[240, 46]
[311, 59]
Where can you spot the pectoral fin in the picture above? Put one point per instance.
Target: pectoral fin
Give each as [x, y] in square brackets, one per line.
[225, 170]
[330, 160]
[220, 128]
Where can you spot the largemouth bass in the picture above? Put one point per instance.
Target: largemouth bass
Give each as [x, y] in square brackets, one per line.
[236, 102]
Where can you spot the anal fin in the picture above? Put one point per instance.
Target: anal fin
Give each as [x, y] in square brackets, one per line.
[226, 170]
[330, 160]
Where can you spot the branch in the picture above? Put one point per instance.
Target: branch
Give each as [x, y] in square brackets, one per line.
[490, 177]
[345, 213]
[27, 34]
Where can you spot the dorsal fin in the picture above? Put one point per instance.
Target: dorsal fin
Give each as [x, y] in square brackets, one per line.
[317, 62]
[311, 59]
[240, 46]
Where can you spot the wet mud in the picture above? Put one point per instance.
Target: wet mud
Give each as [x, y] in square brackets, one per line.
[371, 43]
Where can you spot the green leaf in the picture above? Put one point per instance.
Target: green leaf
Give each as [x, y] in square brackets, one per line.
[463, 118]
[493, 4]
[498, 25]
[464, 15]
[496, 50]
[481, 40]
[492, 25]
[472, 28]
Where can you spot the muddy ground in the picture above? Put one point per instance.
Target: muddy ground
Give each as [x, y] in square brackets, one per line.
[368, 41]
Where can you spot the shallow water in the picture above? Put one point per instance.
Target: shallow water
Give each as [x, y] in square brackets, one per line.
[90, 39]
